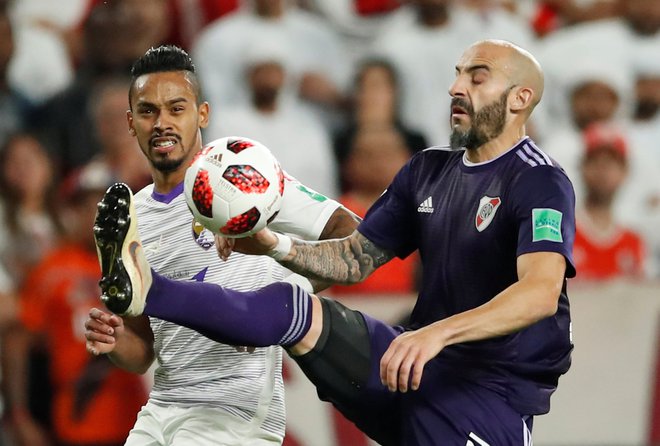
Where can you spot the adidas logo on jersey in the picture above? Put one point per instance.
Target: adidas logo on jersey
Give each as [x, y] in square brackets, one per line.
[426, 206]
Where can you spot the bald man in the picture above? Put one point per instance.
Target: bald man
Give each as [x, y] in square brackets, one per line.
[493, 219]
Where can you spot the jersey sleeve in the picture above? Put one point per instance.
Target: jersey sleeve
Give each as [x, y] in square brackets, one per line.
[304, 212]
[544, 207]
[390, 222]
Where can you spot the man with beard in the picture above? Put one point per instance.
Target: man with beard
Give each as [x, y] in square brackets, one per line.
[493, 219]
[204, 393]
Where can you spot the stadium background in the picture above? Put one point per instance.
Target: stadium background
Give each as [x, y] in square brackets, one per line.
[63, 67]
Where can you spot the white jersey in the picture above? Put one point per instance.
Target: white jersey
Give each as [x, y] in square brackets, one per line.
[193, 370]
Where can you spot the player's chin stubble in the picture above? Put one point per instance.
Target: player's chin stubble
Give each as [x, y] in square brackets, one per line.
[167, 165]
[487, 124]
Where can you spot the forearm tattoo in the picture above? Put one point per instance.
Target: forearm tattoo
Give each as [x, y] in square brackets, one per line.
[348, 260]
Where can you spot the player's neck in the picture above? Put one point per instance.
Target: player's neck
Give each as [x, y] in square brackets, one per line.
[496, 146]
[599, 215]
[164, 183]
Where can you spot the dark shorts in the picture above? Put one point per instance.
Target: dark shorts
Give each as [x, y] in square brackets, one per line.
[447, 410]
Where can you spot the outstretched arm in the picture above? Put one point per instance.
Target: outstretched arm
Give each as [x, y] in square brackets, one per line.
[341, 223]
[345, 261]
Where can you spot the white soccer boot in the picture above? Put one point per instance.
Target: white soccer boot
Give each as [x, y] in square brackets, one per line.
[126, 275]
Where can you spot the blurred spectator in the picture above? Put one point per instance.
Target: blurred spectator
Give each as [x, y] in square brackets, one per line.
[645, 128]
[603, 248]
[494, 19]
[42, 65]
[318, 65]
[375, 156]
[642, 17]
[375, 105]
[600, 91]
[508, 5]
[13, 106]
[647, 96]
[146, 23]
[644, 137]
[424, 44]
[93, 402]
[298, 139]
[115, 34]
[357, 21]
[184, 18]
[551, 15]
[609, 45]
[120, 158]
[593, 102]
[189, 17]
[594, 96]
[28, 208]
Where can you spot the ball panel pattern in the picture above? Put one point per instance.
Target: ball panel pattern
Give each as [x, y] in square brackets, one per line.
[246, 178]
[238, 145]
[202, 194]
[234, 187]
[243, 223]
[201, 153]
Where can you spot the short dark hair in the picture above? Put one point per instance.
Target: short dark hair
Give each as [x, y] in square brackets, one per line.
[162, 59]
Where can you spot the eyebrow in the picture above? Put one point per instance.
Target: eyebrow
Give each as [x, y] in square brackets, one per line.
[170, 102]
[473, 68]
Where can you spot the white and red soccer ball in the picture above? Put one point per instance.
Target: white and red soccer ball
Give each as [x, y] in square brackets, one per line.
[234, 186]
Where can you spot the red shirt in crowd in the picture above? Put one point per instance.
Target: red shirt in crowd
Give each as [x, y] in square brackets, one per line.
[617, 253]
[55, 303]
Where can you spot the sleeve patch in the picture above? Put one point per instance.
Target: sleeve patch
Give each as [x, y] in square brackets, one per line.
[312, 194]
[546, 225]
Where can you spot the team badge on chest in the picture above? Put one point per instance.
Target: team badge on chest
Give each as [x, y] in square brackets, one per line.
[203, 237]
[486, 211]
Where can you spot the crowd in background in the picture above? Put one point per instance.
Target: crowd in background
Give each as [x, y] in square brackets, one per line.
[344, 92]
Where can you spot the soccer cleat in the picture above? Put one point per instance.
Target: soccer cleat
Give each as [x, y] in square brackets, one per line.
[125, 273]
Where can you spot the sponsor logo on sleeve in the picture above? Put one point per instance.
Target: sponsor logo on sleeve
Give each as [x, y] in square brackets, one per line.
[312, 194]
[546, 225]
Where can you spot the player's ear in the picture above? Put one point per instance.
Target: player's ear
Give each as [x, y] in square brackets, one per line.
[129, 119]
[522, 99]
[204, 110]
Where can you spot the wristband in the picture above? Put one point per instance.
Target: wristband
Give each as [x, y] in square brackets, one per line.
[282, 249]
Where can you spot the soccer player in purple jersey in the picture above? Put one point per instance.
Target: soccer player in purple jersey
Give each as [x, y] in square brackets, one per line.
[493, 219]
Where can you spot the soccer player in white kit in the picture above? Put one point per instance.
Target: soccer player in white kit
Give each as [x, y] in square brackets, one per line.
[204, 393]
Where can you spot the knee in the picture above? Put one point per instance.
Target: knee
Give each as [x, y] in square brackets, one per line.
[311, 338]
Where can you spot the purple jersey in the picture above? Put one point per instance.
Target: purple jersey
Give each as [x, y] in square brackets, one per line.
[470, 222]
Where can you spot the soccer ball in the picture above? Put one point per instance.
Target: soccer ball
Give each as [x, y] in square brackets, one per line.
[234, 186]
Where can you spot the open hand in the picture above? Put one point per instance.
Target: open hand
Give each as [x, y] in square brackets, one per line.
[101, 331]
[405, 358]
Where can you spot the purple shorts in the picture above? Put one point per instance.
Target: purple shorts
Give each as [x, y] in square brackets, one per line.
[447, 409]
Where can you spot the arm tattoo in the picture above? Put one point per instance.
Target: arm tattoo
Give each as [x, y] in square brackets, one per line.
[345, 261]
